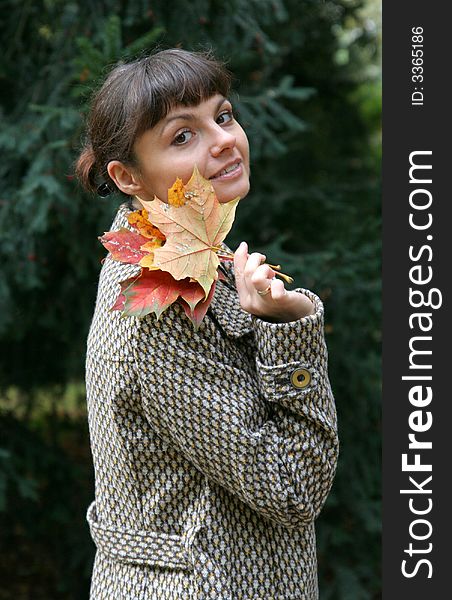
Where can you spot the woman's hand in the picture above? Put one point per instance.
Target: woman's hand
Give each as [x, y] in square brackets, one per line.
[274, 303]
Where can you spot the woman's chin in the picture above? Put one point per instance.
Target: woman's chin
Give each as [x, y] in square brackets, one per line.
[226, 194]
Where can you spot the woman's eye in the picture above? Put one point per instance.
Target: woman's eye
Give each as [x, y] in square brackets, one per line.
[225, 117]
[182, 138]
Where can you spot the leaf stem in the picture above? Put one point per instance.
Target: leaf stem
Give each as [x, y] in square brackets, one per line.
[230, 255]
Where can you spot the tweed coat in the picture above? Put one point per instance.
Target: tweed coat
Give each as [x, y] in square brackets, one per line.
[213, 451]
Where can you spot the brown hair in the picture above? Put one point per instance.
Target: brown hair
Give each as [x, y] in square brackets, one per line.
[135, 97]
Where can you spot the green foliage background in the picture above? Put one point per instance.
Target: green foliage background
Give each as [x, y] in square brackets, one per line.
[308, 93]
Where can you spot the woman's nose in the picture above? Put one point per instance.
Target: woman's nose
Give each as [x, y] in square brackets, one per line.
[222, 140]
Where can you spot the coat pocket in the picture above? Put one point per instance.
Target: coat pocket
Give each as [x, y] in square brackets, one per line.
[136, 546]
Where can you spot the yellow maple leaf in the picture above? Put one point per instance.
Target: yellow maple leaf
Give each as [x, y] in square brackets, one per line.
[193, 232]
[148, 260]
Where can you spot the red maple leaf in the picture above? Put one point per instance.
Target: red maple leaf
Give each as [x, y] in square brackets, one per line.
[197, 313]
[153, 291]
[125, 245]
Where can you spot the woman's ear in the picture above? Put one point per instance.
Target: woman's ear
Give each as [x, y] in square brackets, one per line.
[124, 177]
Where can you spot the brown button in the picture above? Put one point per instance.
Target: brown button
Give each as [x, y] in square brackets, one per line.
[301, 378]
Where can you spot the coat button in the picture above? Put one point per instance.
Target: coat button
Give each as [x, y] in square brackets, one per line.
[300, 378]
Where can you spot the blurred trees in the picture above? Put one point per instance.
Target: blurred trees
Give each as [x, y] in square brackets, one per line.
[308, 93]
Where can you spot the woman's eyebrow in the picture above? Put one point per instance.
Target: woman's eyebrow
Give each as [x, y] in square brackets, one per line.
[184, 116]
[187, 116]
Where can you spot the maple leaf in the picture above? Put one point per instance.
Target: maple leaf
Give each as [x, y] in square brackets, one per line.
[176, 193]
[197, 312]
[125, 245]
[154, 291]
[121, 299]
[193, 232]
[139, 219]
[148, 258]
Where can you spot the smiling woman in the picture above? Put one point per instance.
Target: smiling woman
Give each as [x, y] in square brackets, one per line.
[214, 450]
[136, 97]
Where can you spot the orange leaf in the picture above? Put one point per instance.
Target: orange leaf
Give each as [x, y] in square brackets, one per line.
[176, 193]
[139, 220]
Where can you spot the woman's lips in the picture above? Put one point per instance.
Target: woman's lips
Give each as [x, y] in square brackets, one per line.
[235, 172]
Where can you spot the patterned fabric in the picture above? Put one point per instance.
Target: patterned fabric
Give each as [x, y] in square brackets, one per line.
[212, 456]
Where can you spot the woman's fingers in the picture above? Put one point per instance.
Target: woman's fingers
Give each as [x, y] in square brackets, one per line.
[240, 259]
[251, 274]
[253, 277]
[261, 277]
[255, 260]
[278, 291]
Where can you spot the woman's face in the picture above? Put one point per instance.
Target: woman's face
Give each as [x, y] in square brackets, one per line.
[206, 135]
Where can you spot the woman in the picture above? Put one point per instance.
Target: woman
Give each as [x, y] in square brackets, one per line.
[214, 450]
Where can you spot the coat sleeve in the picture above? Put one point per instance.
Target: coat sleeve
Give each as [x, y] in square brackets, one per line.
[265, 430]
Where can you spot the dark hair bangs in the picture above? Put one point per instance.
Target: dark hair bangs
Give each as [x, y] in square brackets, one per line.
[172, 78]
